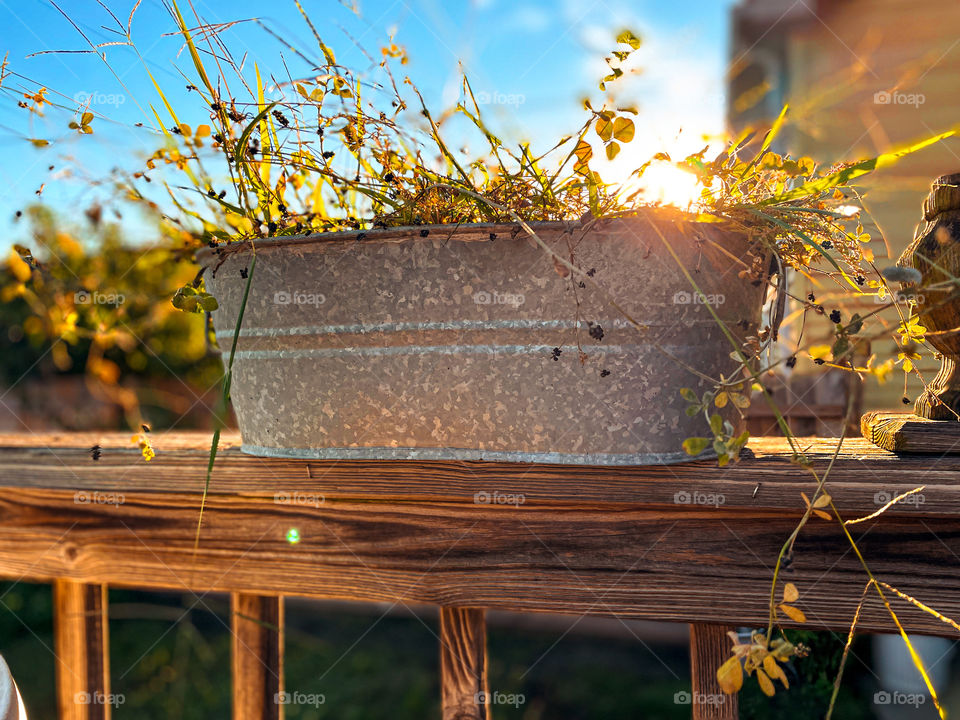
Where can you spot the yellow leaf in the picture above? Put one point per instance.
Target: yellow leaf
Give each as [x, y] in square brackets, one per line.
[766, 684]
[106, 370]
[882, 372]
[202, 131]
[775, 671]
[806, 165]
[17, 265]
[623, 129]
[822, 500]
[795, 614]
[721, 399]
[583, 152]
[730, 675]
[741, 401]
[820, 352]
[604, 128]
[628, 38]
[823, 515]
[771, 161]
[239, 222]
[790, 593]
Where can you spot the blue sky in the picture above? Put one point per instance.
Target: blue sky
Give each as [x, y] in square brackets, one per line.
[534, 60]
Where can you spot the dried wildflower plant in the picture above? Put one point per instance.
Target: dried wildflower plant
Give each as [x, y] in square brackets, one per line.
[328, 149]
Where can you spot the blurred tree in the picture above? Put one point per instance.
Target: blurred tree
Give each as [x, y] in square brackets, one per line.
[102, 318]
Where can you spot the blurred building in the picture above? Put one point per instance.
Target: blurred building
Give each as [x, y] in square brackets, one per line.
[861, 77]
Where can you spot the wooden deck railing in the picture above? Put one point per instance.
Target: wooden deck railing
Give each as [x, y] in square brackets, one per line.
[686, 543]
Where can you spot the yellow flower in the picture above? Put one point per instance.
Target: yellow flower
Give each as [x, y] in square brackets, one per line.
[907, 357]
[911, 331]
[820, 352]
[882, 372]
[146, 448]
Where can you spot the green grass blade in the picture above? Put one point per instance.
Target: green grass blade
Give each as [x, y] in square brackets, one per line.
[223, 400]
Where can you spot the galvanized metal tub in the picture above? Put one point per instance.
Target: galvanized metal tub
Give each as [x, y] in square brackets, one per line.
[467, 343]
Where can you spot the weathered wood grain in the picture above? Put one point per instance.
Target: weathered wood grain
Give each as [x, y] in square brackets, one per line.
[256, 627]
[602, 541]
[82, 651]
[909, 433]
[465, 692]
[861, 471]
[709, 648]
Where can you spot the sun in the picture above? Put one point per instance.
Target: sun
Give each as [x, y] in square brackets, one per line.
[664, 183]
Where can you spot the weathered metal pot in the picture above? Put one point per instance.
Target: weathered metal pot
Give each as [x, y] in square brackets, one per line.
[468, 343]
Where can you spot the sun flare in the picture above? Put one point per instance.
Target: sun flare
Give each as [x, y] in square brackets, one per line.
[664, 183]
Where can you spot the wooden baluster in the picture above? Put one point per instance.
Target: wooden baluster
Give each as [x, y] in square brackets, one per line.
[709, 648]
[463, 664]
[81, 641]
[257, 625]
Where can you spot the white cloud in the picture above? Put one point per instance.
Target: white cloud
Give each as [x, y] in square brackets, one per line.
[527, 18]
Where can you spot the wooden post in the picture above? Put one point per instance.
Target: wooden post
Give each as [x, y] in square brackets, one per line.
[82, 650]
[257, 625]
[709, 647]
[463, 664]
